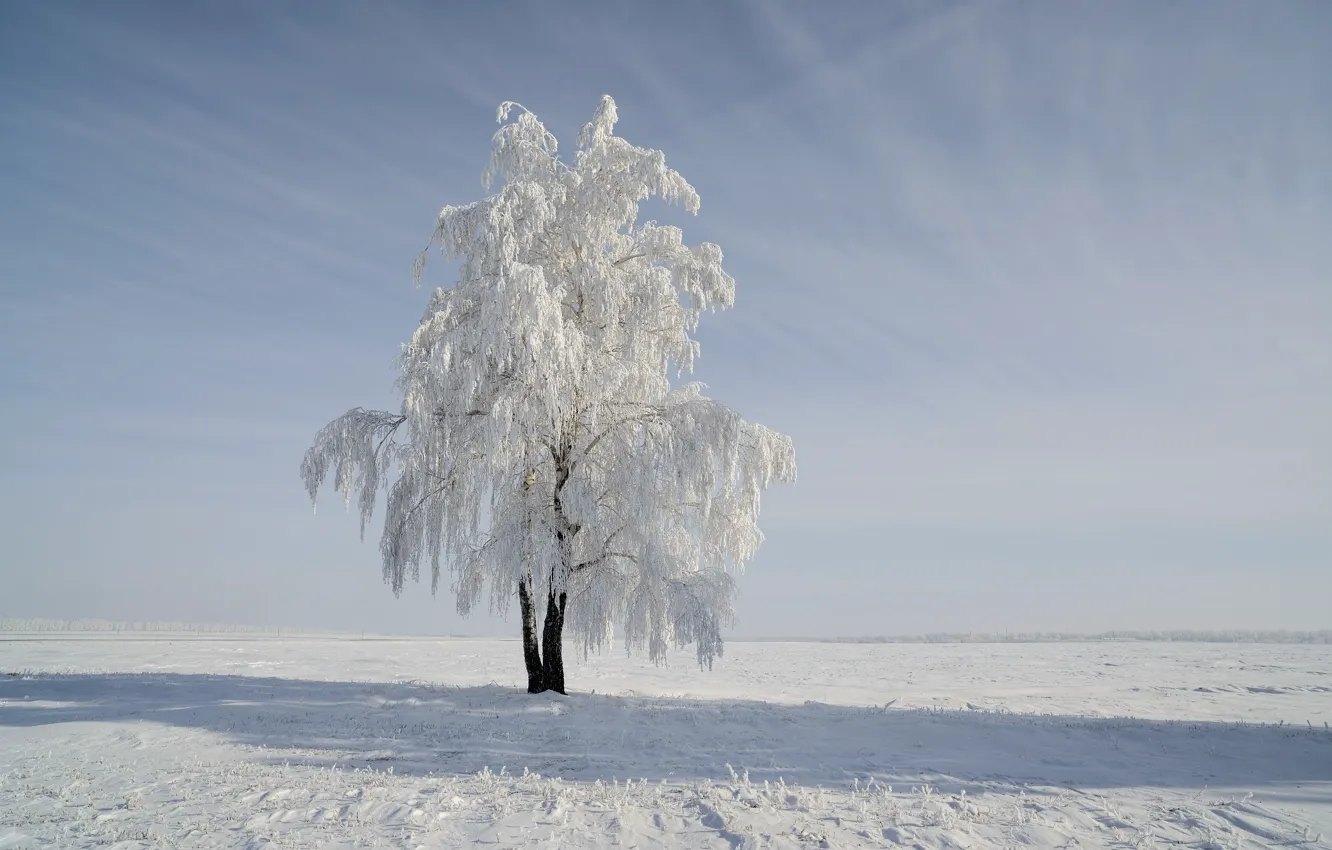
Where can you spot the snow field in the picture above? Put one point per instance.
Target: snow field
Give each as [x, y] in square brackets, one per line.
[283, 743]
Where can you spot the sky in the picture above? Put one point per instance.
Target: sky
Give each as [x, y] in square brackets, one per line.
[1042, 293]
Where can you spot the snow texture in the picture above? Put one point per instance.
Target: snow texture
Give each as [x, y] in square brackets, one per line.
[544, 441]
[264, 742]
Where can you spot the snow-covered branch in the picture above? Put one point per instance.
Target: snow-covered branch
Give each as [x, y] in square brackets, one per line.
[354, 445]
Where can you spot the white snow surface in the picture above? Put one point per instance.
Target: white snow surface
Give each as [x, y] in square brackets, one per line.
[191, 742]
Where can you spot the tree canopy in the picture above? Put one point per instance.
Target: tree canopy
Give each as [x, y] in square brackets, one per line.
[541, 443]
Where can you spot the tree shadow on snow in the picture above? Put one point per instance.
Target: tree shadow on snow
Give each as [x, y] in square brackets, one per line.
[420, 729]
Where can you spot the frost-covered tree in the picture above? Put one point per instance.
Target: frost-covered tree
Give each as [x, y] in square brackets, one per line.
[541, 450]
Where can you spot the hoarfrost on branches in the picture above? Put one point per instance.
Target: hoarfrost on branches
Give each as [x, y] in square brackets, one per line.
[541, 445]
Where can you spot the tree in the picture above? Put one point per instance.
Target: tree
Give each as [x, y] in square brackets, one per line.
[541, 446]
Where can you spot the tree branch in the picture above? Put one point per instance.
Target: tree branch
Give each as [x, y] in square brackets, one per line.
[651, 414]
[601, 559]
[392, 429]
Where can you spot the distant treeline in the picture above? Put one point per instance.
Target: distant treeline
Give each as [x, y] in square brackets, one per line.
[47, 625]
[1323, 636]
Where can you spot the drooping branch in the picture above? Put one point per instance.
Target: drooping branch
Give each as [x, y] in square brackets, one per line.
[354, 446]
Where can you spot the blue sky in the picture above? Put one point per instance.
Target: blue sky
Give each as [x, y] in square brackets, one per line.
[1043, 293]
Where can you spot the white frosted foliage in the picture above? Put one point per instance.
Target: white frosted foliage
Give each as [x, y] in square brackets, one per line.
[540, 436]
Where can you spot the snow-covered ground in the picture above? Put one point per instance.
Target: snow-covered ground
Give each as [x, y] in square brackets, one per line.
[264, 742]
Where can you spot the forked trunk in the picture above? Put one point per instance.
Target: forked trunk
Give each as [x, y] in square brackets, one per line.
[552, 644]
[536, 681]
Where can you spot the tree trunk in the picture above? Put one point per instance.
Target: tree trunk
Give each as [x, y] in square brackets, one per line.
[536, 680]
[552, 638]
[552, 644]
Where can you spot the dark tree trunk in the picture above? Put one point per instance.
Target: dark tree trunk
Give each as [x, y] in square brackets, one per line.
[536, 680]
[552, 638]
[552, 641]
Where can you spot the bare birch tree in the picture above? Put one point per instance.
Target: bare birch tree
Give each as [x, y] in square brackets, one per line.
[541, 449]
